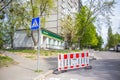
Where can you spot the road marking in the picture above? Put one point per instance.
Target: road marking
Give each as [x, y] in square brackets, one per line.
[73, 79]
[52, 78]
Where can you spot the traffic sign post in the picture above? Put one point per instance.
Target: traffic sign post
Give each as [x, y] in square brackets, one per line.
[35, 25]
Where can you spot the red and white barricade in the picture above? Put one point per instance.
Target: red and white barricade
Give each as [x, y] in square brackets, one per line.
[73, 61]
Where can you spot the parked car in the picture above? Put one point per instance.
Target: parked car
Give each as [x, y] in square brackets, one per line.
[111, 49]
[117, 48]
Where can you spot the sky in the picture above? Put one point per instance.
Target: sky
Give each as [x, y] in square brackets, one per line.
[115, 22]
[114, 19]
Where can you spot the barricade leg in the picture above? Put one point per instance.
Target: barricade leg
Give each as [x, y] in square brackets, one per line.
[88, 66]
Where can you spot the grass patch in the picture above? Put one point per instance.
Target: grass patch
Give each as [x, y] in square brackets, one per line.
[5, 61]
[23, 51]
[31, 53]
[38, 71]
[30, 56]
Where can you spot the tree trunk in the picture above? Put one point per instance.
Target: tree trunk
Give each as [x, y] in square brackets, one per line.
[12, 39]
[32, 32]
[12, 36]
[1, 41]
[34, 40]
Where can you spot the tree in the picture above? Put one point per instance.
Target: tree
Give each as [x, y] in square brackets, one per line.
[4, 34]
[4, 4]
[39, 8]
[98, 9]
[81, 23]
[19, 14]
[15, 16]
[89, 38]
[1, 41]
[113, 39]
[1, 37]
[99, 44]
[116, 39]
[68, 30]
[90, 14]
[110, 38]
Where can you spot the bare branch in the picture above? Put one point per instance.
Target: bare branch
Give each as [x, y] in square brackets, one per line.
[44, 7]
[5, 5]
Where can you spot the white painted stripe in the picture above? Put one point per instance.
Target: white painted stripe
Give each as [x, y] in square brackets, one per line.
[73, 61]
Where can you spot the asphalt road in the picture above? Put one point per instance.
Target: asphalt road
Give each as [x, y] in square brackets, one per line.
[106, 67]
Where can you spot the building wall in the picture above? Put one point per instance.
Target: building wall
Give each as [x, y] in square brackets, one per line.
[63, 8]
[21, 40]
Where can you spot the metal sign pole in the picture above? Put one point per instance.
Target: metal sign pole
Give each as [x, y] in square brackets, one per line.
[38, 55]
[35, 25]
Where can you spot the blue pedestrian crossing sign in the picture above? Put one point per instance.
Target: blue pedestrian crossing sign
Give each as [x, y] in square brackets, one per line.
[35, 24]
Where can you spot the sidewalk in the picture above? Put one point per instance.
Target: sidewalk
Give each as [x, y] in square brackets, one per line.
[25, 70]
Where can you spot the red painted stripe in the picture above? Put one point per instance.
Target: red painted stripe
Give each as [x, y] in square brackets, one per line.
[65, 67]
[87, 54]
[71, 66]
[65, 56]
[82, 54]
[71, 55]
[83, 64]
[87, 64]
[77, 66]
[59, 68]
[77, 55]
[59, 56]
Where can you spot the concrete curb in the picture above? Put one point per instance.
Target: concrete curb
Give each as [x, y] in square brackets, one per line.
[43, 76]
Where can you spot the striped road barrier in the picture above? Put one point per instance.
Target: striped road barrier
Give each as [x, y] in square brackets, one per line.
[73, 61]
